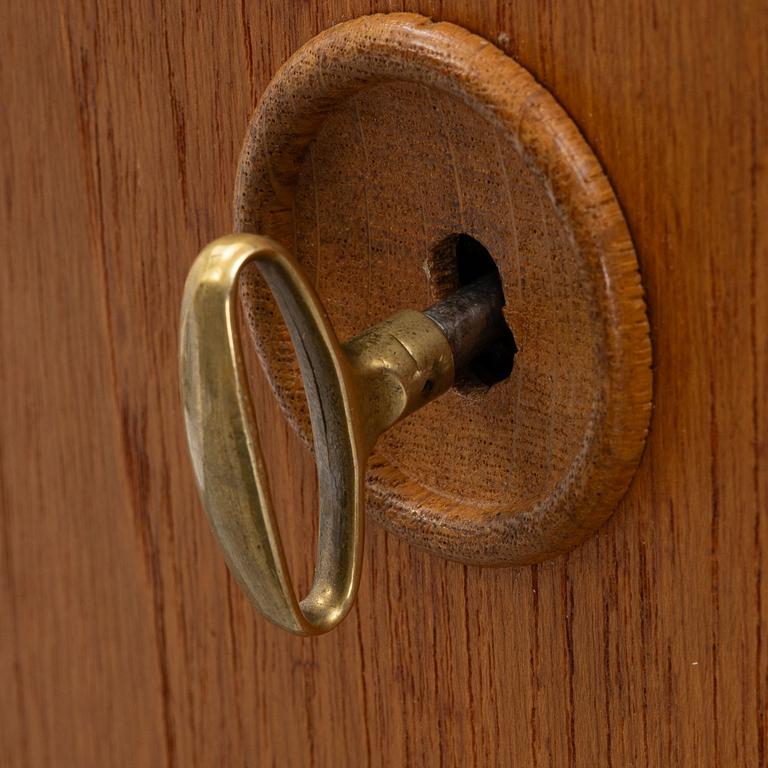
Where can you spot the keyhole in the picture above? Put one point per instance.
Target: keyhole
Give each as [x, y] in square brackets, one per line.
[459, 260]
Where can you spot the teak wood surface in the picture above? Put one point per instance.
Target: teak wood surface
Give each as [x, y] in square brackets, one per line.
[123, 641]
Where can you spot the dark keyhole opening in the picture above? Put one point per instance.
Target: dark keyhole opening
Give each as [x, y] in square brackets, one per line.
[494, 363]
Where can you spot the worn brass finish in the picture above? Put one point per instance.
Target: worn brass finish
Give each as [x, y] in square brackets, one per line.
[354, 392]
[401, 365]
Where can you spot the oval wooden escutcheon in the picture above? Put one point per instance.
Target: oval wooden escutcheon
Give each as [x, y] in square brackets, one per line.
[377, 141]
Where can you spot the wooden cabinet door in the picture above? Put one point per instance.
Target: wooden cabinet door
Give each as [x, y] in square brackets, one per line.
[123, 640]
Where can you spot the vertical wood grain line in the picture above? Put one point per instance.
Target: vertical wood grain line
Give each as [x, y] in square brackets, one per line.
[534, 661]
[758, 435]
[11, 591]
[473, 714]
[566, 596]
[364, 686]
[714, 568]
[176, 102]
[248, 49]
[609, 600]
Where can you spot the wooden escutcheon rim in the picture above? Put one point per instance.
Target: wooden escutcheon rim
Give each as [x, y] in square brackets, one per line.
[379, 140]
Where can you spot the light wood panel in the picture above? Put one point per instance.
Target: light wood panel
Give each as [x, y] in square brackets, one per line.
[124, 642]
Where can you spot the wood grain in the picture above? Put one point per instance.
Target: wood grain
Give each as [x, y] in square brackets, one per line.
[124, 642]
[373, 146]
